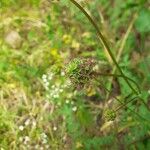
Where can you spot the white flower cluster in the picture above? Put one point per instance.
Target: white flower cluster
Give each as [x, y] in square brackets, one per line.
[28, 122]
[54, 89]
[54, 128]
[46, 79]
[44, 138]
[25, 139]
[21, 127]
[74, 108]
[31, 123]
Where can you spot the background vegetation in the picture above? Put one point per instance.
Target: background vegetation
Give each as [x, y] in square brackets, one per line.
[52, 91]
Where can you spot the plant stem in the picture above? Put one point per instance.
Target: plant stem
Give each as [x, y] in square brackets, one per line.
[102, 39]
[117, 75]
[125, 104]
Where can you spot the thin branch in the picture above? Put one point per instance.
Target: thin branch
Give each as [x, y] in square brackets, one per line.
[102, 39]
[123, 104]
[117, 75]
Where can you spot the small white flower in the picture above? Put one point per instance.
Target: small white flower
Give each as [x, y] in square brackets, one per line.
[46, 83]
[148, 91]
[67, 101]
[68, 83]
[43, 135]
[21, 128]
[41, 148]
[61, 90]
[27, 122]
[47, 88]
[27, 139]
[64, 86]
[20, 139]
[54, 128]
[47, 146]
[74, 108]
[51, 94]
[56, 96]
[72, 102]
[62, 73]
[64, 138]
[44, 76]
[50, 77]
[44, 80]
[56, 89]
[53, 86]
[36, 146]
[41, 118]
[69, 95]
[34, 124]
[44, 141]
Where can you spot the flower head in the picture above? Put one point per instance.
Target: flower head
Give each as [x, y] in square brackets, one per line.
[109, 115]
[80, 71]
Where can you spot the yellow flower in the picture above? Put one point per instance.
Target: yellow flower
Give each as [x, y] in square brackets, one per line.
[12, 85]
[75, 44]
[86, 34]
[79, 145]
[54, 52]
[67, 39]
[90, 91]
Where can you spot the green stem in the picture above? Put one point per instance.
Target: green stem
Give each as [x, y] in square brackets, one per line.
[125, 104]
[117, 75]
[140, 98]
[102, 39]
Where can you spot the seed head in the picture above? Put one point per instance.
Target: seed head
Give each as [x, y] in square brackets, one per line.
[109, 115]
[80, 71]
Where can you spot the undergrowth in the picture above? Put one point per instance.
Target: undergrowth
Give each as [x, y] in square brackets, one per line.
[74, 75]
